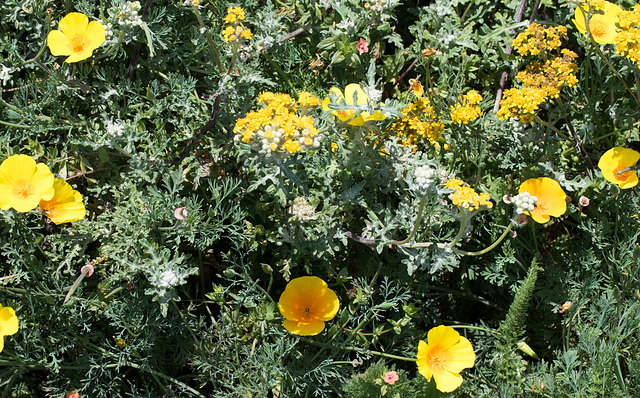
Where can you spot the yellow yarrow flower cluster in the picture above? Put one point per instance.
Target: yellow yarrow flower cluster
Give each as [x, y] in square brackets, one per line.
[521, 103]
[277, 128]
[466, 197]
[467, 108]
[418, 123]
[538, 38]
[235, 31]
[541, 81]
[551, 76]
[627, 41]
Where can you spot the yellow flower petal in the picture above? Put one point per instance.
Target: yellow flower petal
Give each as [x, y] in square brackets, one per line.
[95, 35]
[76, 38]
[447, 381]
[301, 329]
[74, 24]
[8, 321]
[444, 355]
[59, 43]
[306, 303]
[615, 160]
[551, 198]
[24, 183]
[66, 204]
[354, 91]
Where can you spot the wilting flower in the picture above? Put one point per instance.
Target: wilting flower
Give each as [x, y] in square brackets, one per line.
[391, 377]
[362, 46]
[66, 204]
[601, 26]
[615, 160]
[353, 92]
[23, 183]
[306, 304]
[444, 356]
[550, 198]
[416, 87]
[77, 37]
[8, 323]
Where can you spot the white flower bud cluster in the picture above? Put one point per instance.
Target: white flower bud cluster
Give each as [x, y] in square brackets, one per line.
[168, 279]
[302, 209]
[524, 202]
[376, 5]
[5, 75]
[191, 3]
[272, 138]
[424, 178]
[128, 14]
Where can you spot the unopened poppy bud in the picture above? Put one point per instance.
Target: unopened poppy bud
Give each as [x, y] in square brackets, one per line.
[524, 347]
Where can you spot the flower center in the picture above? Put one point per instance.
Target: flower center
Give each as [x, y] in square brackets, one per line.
[24, 190]
[622, 176]
[437, 362]
[598, 27]
[78, 43]
[307, 314]
[541, 207]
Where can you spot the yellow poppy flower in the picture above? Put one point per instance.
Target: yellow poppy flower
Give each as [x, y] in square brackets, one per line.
[306, 304]
[551, 198]
[66, 204]
[615, 160]
[8, 323]
[444, 356]
[601, 26]
[349, 115]
[76, 38]
[23, 183]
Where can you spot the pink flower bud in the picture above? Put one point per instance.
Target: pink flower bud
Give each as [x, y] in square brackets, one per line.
[583, 201]
[87, 269]
[180, 213]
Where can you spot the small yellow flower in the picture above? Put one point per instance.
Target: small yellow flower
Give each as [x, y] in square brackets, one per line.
[416, 87]
[66, 204]
[23, 183]
[76, 38]
[306, 304]
[551, 198]
[444, 356]
[8, 323]
[349, 115]
[615, 160]
[601, 26]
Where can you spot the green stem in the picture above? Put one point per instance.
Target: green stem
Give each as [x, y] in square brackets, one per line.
[606, 60]
[423, 201]
[546, 124]
[487, 249]
[492, 331]
[18, 126]
[209, 39]
[357, 349]
[463, 226]
[42, 47]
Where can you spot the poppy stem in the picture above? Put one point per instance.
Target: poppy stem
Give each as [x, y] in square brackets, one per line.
[489, 248]
[415, 225]
[357, 349]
